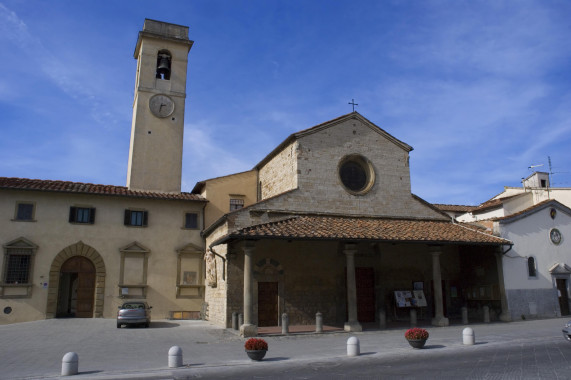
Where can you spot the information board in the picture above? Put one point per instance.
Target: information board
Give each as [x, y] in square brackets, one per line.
[407, 298]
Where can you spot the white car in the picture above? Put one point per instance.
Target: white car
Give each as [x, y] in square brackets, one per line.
[134, 313]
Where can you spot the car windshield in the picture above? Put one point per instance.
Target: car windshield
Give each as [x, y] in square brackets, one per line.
[133, 306]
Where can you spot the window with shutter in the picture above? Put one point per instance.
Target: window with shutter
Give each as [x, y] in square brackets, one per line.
[136, 218]
[82, 215]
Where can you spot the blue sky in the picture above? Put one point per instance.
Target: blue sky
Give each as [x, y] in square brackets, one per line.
[480, 89]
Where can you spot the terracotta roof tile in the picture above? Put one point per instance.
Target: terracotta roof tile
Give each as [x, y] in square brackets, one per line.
[353, 228]
[89, 188]
[455, 208]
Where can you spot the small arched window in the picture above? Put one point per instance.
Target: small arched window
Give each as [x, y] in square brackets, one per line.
[531, 267]
[164, 59]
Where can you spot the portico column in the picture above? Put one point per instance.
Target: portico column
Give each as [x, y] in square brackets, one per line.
[439, 318]
[248, 328]
[505, 314]
[352, 324]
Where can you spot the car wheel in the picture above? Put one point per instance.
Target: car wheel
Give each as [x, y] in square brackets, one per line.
[567, 337]
[118, 325]
[147, 324]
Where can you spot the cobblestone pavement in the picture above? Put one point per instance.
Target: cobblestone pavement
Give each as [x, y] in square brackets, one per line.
[35, 349]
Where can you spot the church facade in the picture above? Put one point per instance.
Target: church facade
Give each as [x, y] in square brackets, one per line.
[326, 222]
[336, 230]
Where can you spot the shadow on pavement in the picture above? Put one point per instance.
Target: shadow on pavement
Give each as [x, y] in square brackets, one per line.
[163, 325]
[434, 346]
[277, 359]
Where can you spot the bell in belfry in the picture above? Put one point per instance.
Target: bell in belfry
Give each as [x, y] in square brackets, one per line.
[164, 67]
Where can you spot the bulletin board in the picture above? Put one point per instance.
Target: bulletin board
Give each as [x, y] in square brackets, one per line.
[408, 298]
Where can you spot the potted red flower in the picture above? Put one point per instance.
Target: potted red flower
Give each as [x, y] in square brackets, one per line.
[256, 348]
[416, 337]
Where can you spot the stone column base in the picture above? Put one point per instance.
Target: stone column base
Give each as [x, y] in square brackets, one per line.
[505, 317]
[353, 326]
[440, 321]
[248, 331]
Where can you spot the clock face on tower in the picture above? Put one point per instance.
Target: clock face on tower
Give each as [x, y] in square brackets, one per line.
[161, 105]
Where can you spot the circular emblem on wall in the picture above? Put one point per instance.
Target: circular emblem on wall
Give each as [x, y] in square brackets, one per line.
[356, 174]
[555, 236]
[161, 105]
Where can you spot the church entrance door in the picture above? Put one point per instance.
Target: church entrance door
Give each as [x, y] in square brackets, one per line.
[76, 288]
[563, 296]
[365, 281]
[268, 314]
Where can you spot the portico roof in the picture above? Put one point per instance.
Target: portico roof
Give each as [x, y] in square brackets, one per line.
[320, 227]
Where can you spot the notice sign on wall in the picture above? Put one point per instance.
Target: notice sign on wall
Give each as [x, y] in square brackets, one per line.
[407, 298]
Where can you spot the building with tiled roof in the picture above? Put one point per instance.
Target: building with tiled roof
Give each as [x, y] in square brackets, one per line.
[326, 223]
[79, 249]
[537, 270]
[331, 200]
[536, 218]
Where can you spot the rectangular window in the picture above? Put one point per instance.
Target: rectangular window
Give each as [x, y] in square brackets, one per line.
[190, 220]
[84, 215]
[136, 218]
[236, 204]
[18, 266]
[24, 211]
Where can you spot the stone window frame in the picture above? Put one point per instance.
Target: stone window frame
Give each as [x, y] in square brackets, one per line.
[531, 272]
[190, 251]
[367, 167]
[20, 244]
[134, 249]
[17, 208]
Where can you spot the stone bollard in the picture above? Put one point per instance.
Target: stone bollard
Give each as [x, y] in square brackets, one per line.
[235, 321]
[285, 324]
[353, 348]
[468, 336]
[175, 357]
[240, 319]
[486, 314]
[464, 315]
[318, 323]
[412, 317]
[69, 364]
[382, 319]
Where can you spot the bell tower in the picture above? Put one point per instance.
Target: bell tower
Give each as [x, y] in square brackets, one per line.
[155, 154]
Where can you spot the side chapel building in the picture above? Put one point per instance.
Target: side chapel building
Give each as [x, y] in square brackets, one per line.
[326, 222]
[536, 218]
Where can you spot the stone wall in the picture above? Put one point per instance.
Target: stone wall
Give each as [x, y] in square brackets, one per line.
[311, 165]
[280, 173]
[533, 303]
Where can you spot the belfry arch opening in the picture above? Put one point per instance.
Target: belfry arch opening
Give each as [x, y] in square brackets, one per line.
[164, 60]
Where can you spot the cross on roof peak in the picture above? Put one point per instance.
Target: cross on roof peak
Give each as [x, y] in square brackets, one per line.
[352, 102]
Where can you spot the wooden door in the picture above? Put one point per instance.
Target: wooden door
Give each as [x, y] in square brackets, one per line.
[365, 281]
[85, 290]
[268, 313]
[563, 296]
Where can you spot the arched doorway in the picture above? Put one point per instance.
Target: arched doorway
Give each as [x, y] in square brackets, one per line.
[78, 249]
[76, 288]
